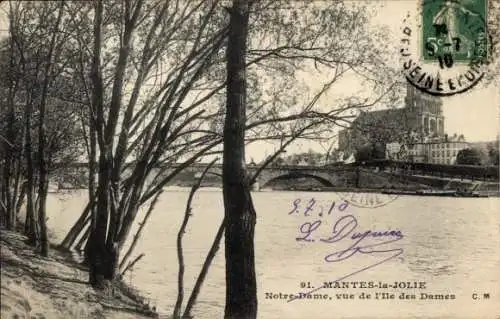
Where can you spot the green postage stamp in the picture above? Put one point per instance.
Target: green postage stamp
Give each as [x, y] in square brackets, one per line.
[446, 48]
[454, 31]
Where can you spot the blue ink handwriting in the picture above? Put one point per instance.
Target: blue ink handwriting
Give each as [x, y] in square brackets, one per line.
[358, 243]
[311, 207]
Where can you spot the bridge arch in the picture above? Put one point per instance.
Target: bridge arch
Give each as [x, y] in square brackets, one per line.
[324, 179]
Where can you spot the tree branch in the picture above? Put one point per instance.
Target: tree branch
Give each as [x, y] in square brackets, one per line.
[182, 230]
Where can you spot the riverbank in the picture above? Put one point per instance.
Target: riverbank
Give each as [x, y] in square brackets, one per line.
[56, 287]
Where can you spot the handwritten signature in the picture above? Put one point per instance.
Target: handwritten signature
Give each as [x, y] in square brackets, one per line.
[344, 231]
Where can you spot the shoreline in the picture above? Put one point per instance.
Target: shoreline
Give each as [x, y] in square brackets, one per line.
[57, 287]
[379, 190]
[398, 191]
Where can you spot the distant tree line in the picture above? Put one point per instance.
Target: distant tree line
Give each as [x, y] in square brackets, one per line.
[309, 158]
[479, 156]
[469, 156]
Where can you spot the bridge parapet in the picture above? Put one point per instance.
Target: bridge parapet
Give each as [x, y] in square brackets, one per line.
[202, 166]
[326, 175]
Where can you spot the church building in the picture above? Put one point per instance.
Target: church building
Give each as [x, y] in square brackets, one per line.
[421, 119]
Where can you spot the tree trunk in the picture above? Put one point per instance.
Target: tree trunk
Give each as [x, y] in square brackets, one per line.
[6, 190]
[77, 228]
[30, 206]
[204, 270]
[99, 256]
[7, 150]
[19, 190]
[42, 220]
[92, 165]
[125, 226]
[43, 180]
[241, 287]
[83, 240]
[357, 177]
[139, 231]
[5, 199]
[101, 259]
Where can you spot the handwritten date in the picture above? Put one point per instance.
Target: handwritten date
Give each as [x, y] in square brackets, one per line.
[315, 207]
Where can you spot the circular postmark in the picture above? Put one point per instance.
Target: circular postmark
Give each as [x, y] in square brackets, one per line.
[445, 48]
[367, 200]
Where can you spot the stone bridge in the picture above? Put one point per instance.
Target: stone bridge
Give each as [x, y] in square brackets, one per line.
[376, 173]
[76, 176]
[327, 176]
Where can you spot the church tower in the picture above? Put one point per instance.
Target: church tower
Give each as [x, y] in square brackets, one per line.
[427, 112]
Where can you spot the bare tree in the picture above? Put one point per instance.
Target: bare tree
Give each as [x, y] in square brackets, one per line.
[37, 80]
[155, 77]
[10, 144]
[156, 126]
[43, 178]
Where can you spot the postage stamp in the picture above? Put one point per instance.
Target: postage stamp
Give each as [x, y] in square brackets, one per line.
[446, 47]
[454, 31]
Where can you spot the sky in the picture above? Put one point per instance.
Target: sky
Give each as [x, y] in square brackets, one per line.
[474, 113]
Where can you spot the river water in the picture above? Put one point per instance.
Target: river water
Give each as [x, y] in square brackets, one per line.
[451, 244]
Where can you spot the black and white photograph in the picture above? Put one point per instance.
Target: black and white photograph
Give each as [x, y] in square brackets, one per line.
[250, 159]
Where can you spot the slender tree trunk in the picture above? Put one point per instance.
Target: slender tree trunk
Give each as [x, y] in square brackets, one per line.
[30, 205]
[204, 270]
[131, 264]
[100, 267]
[7, 199]
[241, 287]
[4, 172]
[77, 228]
[92, 169]
[139, 231]
[27, 220]
[91, 187]
[83, 239]
[129, 215]
[12, 148]
[180, 251]
[43, 180]
[42, 219]
[5, 192]
[19, 190]
[357, 177]
[20, 201]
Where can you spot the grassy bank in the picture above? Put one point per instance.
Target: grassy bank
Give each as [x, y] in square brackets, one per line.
[56, 287]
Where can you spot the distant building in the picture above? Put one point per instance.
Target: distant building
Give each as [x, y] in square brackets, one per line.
[395, 151]
[420, 120]
[437, 151]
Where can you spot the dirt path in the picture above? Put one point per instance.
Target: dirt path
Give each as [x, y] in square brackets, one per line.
[54, 287]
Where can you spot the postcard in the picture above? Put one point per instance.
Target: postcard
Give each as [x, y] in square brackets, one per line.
[250, 159]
